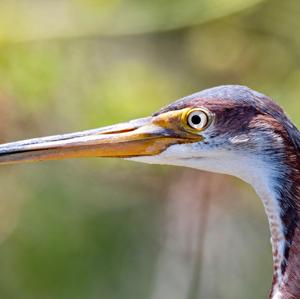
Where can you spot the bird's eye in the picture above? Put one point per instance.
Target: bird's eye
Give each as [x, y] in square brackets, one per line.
[198, 119]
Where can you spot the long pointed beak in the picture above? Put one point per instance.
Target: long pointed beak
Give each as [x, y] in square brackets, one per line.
[142, 137]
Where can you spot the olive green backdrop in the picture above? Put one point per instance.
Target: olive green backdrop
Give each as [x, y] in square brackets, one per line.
[101, 228]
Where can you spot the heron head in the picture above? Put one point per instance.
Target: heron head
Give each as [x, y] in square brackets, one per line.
[241, 132]
[228, 129]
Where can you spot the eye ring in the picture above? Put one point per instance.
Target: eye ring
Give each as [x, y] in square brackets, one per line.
[198, 119]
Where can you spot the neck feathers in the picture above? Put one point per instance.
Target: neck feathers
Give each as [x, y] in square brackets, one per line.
[279, 189]
[289, 201]
[282, 203]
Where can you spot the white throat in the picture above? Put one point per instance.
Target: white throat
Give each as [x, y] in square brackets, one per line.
[256, 173]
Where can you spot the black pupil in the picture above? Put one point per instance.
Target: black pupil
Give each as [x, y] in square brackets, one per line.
[196, 119]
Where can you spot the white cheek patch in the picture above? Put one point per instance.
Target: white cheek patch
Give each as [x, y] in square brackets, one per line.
[239, 139]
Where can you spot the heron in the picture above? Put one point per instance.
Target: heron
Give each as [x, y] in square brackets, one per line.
[228, 129]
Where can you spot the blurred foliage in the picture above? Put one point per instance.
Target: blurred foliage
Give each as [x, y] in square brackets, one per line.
[80, 17]
[93, 228]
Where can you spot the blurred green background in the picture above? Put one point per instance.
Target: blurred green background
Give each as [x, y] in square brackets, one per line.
[113, 229]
